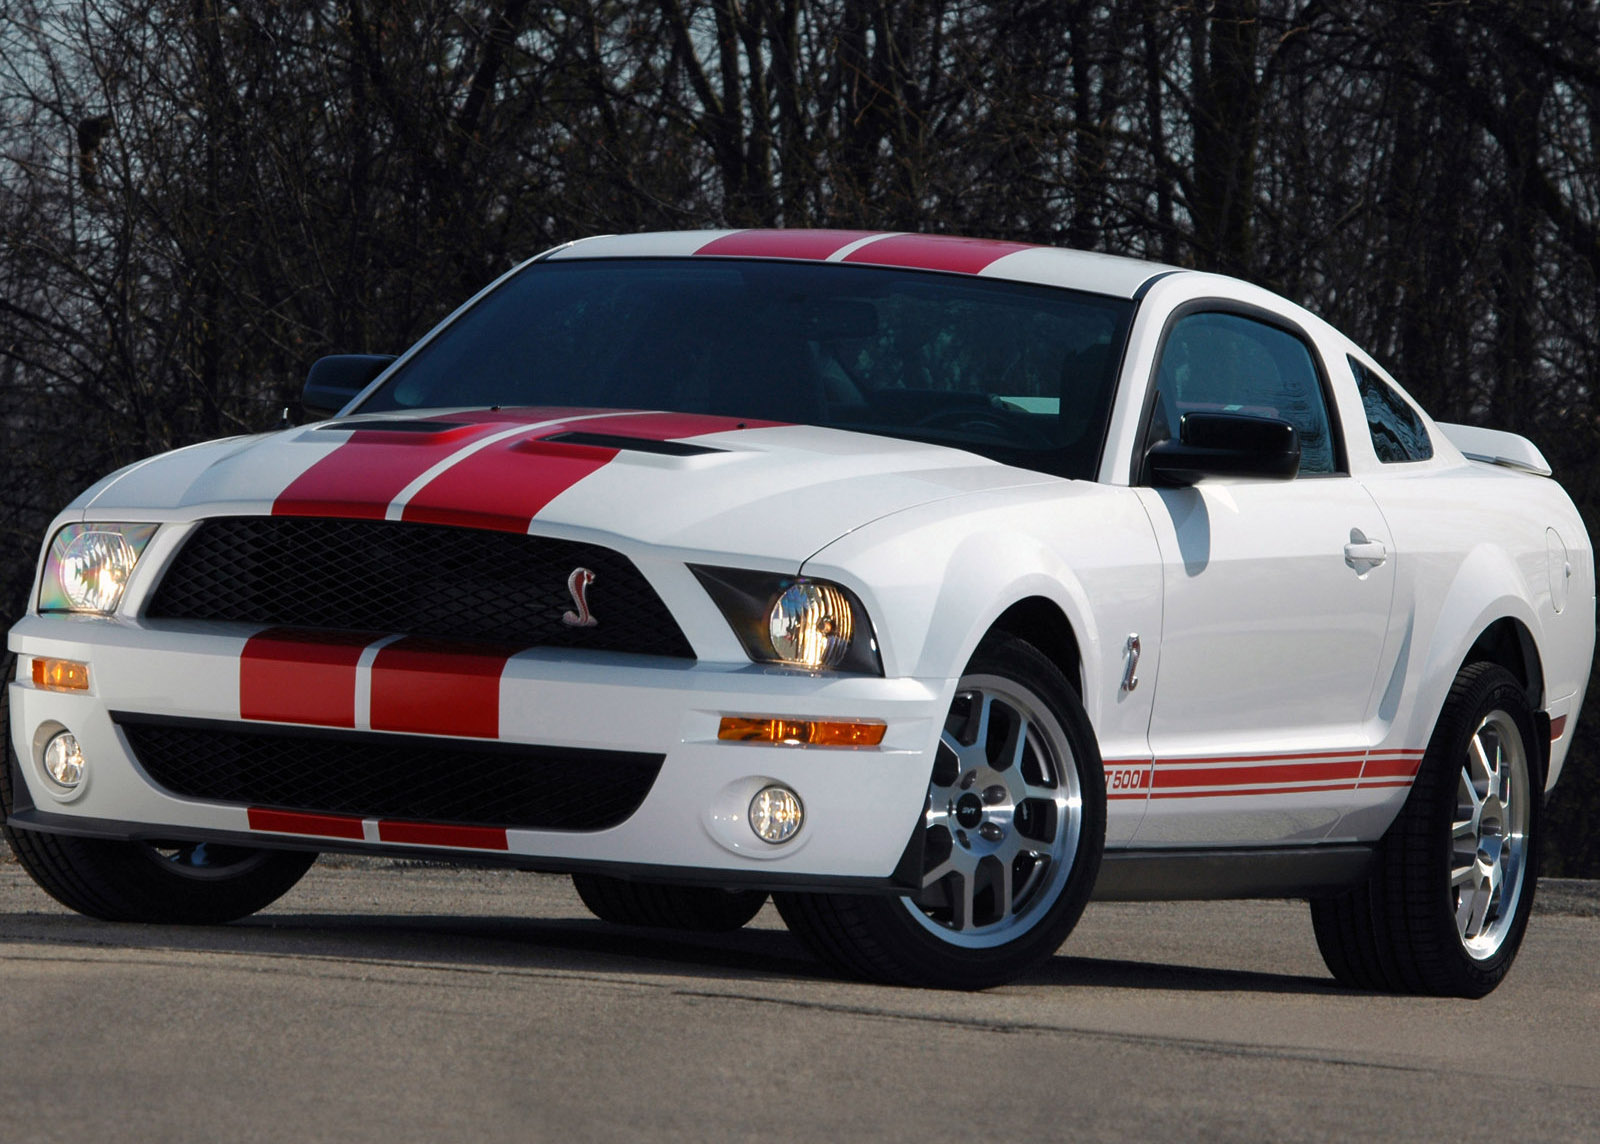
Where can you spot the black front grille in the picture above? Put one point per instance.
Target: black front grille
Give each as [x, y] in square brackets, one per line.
[391, 776]
[416, 579]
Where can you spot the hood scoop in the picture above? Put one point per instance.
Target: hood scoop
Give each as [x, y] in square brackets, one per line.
[636, 444]
[393, 425]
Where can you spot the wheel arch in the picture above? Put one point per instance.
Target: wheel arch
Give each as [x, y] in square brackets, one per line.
[1486, 616]
[1040, 621]
[1508, 642]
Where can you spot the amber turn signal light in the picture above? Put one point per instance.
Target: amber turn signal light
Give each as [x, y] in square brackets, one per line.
[800, 732]
[60, 674]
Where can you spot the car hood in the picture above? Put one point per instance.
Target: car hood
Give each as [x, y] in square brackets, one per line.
[708, 484]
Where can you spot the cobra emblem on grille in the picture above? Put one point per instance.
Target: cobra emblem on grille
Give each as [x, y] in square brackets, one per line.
[578, 584]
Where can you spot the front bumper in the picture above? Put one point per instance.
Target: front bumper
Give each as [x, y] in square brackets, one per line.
[861, 805]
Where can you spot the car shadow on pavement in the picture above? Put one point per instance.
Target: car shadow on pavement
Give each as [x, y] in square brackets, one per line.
[580, 946]
[1107, 973]
[463, 943]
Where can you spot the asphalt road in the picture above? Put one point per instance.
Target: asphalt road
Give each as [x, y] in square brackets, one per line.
[411, 1003]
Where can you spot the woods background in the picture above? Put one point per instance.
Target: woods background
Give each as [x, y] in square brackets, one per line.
[199, 199]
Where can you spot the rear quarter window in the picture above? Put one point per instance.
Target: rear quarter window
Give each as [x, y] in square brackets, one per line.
[1398, 434]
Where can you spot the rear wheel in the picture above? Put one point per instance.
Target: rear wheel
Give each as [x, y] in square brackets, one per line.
[700, 908]
[1013, 828]
[185, 882]
[1447, 902]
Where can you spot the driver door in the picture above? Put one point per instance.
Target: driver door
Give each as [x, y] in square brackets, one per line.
[1276, 601]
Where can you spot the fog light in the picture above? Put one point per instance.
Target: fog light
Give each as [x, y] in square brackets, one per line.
[64, 760]
[776, 814]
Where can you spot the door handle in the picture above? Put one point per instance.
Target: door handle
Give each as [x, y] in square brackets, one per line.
[1362, 554]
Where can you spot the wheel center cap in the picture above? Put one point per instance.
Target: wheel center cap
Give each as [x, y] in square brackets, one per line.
[969, 810]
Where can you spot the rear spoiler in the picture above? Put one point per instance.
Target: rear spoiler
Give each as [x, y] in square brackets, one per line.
[1497, 448]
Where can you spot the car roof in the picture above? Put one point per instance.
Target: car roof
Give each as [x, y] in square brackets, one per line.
[990, 258]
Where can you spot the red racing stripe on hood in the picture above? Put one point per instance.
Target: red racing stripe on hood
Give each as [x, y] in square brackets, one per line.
[359, 478]
[504, 485]
[488, 475]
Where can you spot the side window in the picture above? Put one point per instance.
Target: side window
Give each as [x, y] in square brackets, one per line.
[1398, 434]
[1224, 363]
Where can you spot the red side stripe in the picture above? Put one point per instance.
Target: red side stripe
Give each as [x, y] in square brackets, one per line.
[359, 478]
[811, 244]
[935, 252]
[288, 675]
[1116, 788]
[1392, 767]
[431, 687]
[504, 486]
[443, 834]
[1212, 759]
[320, 825]
[1347, 771]
[1249, 791]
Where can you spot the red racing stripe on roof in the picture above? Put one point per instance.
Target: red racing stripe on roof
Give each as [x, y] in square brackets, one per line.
[815, 245]
[291, 675]
[434, 687]
[935, 252]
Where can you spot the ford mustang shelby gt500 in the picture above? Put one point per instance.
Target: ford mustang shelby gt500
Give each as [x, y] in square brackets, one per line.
[930, 584]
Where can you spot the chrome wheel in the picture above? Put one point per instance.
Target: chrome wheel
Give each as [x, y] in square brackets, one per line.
[1445, 903]
[1003, 816]
[1489, 834]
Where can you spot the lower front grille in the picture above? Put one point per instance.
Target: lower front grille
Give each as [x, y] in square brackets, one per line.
[391, 776]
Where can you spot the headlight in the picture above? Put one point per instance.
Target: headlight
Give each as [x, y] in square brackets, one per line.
[88, 566]
[794, 620]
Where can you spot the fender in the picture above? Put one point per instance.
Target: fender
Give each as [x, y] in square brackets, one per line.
[1088, 550]
[1488, 586]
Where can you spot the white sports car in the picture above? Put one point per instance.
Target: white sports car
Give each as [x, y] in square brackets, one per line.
[931, 584]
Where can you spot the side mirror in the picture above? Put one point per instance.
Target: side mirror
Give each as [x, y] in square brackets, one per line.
[1225, 445]
[334, 380]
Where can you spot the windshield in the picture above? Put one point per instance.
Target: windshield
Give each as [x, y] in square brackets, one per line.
[1019, 373]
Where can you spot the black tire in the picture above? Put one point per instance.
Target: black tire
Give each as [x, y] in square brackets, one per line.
[186, 883]
[963, 930]
[1445, 906]
[703, 909]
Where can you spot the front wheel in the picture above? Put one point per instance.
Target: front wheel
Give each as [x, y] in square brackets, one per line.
[1013, 828]
[1446, 904]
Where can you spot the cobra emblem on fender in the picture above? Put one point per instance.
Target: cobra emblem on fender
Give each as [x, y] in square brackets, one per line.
[578, 584]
